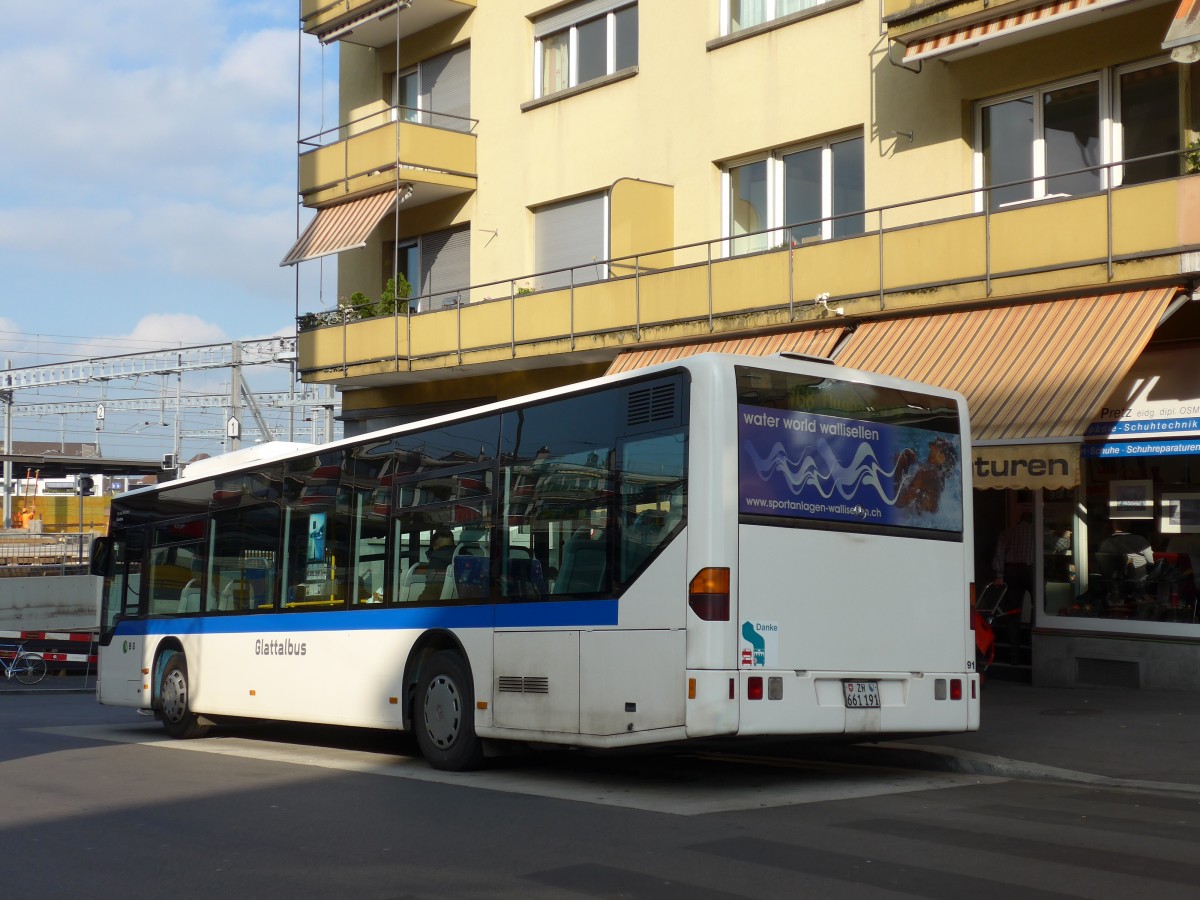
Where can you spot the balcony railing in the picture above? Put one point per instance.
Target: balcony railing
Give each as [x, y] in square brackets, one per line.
[917, 247]
[387, 116]
[354, 154]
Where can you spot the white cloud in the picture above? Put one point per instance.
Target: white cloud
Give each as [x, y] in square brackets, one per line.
[170, 329]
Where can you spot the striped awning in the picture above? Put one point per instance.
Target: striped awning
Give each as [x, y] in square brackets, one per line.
[1183, 37]
[1034, 371]
[1010, 26]
[334, 31]
[810, 342]
[342, 227]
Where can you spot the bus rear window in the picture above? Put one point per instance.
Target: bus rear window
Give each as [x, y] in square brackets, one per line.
[830, 450]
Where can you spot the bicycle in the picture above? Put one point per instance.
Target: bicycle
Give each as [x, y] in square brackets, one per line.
[28, 667]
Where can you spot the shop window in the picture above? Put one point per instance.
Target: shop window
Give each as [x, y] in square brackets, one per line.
[1142, 549]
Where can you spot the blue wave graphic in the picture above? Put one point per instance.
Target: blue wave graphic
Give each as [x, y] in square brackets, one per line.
[820, 469]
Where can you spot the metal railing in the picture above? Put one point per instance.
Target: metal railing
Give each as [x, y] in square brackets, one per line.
[712, 252]
[389, 115]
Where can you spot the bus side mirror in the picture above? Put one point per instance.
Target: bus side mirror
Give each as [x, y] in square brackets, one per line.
[101, 555]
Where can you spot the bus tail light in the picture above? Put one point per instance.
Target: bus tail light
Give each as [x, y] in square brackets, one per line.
[955, 688]
[754, 687]
[708, 594]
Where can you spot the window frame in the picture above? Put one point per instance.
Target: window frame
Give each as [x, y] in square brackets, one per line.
[417, 112]
[778, 229]
[1112, 137]
[1117, 140]
[572, 31]
[1038, 147]
[771, 15]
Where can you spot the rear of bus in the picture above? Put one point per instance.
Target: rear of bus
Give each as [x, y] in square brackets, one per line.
[849, 588]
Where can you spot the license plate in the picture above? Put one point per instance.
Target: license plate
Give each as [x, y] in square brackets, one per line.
[861, 694]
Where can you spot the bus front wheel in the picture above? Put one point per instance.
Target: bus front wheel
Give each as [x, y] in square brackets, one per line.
[445, 714]
[173, 700]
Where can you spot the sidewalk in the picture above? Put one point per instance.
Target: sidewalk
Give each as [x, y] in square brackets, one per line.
[1104, 736]
[1112, 736]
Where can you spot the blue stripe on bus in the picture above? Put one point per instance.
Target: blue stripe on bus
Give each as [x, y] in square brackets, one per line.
[565, 613]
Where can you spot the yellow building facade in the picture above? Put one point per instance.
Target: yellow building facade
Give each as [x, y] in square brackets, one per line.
[1001, 198]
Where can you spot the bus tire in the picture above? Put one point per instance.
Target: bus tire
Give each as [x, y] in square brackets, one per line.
[445, 714]
[174, 700]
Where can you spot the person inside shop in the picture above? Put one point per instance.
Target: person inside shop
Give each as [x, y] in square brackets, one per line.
[1125, 558]
[1135, 548]
[1057, 549]
[1012, 565]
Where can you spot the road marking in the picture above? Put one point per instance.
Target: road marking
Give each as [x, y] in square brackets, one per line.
[679, 785]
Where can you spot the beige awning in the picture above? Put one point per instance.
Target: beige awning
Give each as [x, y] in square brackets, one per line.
[345, 226]
[810, 342]
[1183, 37]
[1033, 371]
[1011, 27]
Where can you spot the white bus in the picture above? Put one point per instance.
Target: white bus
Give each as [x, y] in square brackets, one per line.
[723, 546]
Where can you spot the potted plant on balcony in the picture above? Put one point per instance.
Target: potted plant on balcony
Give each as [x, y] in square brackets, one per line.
[394, 297]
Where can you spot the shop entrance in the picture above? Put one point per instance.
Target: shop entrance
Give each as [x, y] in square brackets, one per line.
[1024, 540]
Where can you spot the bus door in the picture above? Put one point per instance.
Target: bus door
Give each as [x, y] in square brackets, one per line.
[121, 650]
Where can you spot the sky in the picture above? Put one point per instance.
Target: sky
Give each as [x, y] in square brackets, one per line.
[149, 152]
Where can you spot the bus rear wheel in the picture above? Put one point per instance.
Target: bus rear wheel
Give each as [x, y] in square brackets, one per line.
[445, 714]
[173, 700]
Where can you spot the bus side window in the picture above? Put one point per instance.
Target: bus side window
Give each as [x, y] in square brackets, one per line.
[243, 559]
[653, 497]
[370, 551]
[559, 497]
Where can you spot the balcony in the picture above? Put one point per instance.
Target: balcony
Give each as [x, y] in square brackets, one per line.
[1128, 235]
[434, 152]
[372, 23]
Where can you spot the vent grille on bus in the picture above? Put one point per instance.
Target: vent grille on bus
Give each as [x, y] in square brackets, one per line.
[652, 404]
[523, 684]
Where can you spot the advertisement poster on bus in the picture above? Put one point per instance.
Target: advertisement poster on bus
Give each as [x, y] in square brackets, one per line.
[810, 466]
[316, 546]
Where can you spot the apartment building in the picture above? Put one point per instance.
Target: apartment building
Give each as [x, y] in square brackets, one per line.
[997, 197]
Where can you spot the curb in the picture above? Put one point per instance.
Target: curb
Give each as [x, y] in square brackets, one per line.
[967, 762]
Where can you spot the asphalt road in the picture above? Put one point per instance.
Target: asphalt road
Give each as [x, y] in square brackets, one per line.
[97, 802]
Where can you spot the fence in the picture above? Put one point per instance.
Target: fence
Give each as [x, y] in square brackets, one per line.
[23, 553]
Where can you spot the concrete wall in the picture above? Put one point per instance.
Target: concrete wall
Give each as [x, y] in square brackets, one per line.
[1083, 661]
[49, 603]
